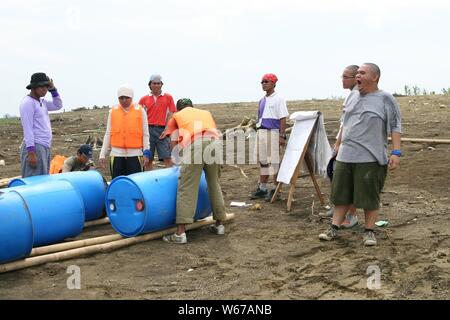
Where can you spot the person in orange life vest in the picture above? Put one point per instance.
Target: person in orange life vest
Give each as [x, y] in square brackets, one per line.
[160, 108]
[195, 130]
[126, 137]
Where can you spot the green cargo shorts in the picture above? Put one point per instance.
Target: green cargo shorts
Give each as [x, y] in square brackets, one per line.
[359, 184]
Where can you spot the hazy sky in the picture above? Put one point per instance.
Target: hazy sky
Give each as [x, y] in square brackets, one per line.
[216, 51]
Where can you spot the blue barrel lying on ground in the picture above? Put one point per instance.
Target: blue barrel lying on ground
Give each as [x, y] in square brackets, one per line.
[90, 184]
[36, 215]
[16, 231]
[56, 209]
[146, 202]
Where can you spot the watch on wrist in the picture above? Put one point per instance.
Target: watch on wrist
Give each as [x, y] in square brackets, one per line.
[396, 152]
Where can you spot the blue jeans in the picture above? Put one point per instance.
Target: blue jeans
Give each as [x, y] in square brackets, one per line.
[162, 146]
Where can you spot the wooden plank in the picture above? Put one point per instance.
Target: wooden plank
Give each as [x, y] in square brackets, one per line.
[277, 190]
[428, 140]
[313, 178]
[298, 168]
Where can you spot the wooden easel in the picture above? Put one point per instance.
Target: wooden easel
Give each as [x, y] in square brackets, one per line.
[304, 157]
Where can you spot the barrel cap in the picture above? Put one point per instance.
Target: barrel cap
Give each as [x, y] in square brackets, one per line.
[126, 207]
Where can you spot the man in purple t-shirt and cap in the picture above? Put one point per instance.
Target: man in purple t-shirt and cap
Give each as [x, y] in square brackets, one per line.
[37, 132]
[270, 135]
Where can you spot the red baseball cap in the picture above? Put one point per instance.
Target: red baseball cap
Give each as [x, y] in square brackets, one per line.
[270, 77]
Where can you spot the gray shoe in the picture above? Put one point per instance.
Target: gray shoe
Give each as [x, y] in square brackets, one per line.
[328, 214]
[174, 238]
[259, 194]
[330, 234]
[220, 229]
[369, 238]
[350, 221]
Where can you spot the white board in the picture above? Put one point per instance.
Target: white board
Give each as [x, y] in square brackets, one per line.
[297, 142]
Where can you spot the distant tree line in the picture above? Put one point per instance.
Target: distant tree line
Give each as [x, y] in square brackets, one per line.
[8, 116]
[417, 91]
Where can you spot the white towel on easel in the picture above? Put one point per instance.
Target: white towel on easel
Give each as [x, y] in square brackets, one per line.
[319, 148]
[303, 115]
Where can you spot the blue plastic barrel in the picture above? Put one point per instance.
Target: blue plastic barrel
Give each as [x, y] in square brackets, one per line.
[16, 231]
[56, 209]
[145, 202]
[90, 184]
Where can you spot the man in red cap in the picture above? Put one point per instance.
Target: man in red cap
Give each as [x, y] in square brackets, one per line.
[272, 113]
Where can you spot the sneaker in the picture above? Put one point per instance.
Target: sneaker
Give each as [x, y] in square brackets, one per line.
[328, 214]
[220, 229]
[369, 238]
[174, 238]
[350, 221]
[270, 194]
[259, 194]
[330, 234]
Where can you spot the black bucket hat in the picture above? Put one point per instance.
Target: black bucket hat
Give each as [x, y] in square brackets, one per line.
[39, 79]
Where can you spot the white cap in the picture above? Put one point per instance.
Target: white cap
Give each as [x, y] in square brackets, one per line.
[125, 90]
[155, 77]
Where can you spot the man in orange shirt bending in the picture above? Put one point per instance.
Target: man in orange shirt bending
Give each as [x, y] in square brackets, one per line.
[160, 107]
[195, 131]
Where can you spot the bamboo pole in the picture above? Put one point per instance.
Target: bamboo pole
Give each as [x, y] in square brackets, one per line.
[75, 253]
[73, 244]
[244, 121]
[436, 141]
[96, 222]
[242, 171]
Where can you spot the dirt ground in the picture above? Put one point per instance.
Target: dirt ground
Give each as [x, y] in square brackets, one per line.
[269, 254]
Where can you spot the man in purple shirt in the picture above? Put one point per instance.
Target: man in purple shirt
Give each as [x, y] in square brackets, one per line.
[271, 126]
[37, 132]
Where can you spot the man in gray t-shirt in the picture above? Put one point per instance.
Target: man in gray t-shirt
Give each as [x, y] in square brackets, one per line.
[370, 116]
[81, 162]
[348, 82]
[368, 120]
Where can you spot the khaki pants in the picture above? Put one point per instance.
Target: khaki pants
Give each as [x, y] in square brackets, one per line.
[267, 149]
[189, 181]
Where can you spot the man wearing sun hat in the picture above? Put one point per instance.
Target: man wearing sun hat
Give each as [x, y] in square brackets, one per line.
[270, 135]
[160, 108]
[35, 152]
